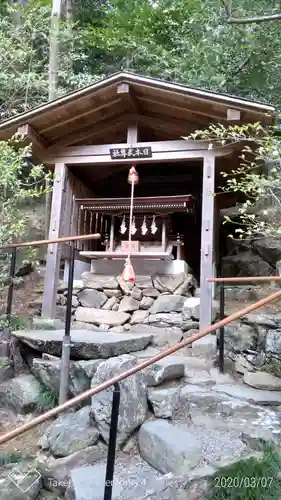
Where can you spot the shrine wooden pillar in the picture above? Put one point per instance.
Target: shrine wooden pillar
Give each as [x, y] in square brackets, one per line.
[54, 251]
[216, 259]
[207, 240]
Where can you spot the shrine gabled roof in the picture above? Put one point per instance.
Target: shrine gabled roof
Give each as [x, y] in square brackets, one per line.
[100, 112]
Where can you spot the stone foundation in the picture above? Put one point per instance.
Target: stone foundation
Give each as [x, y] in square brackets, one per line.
[107, 302]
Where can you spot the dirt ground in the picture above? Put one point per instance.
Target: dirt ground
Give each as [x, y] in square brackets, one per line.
[26, 295]
[27, 443]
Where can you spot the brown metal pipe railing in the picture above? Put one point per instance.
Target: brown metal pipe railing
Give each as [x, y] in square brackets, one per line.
[65, 239]
[242, 279]
[105, 385]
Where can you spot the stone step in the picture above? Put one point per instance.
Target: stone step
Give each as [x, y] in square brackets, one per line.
[168, 448]
[133, 480]
[86, 344]
[206, 345]
[257, 396]
[219, 410]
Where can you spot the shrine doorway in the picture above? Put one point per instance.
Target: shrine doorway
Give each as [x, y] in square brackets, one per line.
[156, 181]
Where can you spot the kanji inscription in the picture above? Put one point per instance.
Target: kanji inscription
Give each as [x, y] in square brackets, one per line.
[122, 153]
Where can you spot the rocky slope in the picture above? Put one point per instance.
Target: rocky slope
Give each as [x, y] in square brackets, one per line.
[179, 419]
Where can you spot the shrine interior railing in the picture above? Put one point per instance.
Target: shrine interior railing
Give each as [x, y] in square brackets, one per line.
[114, 381]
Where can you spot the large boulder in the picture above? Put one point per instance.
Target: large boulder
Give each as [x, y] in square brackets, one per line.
[21, 394]
[248, 263]
[143, 282]
[169, 368]
[168, 447]
[269, 249]
[111, 304]
[263, 380]
[164, 401]
[260, 319]
[168, 303]
[160, 335]
[168, 283]
[273, 343]
[257, 396]
[113, 293]
[240, 337]
[6, 369]
[99, 281]
[69, 433]
[101, 316]
[139, 317]
[56, 471]
[48, 372]
[128, 304]
[91, 298]
[166, 319]
[150, 292]
[206, 345]
[133, 398]
[86, 344]
[89, 366]
[218, 410]
[188, 286]
[136, 293]
[146, 303]
[191, 308]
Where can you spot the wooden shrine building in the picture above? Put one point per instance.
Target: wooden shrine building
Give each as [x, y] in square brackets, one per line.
[91, 137]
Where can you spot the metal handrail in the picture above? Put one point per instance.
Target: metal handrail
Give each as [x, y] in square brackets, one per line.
[66, 340]
[222, 283]
[38, 243]
[243, 279]
[145, 364]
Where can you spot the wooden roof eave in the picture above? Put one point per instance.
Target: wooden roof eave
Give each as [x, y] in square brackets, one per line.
[108, 87]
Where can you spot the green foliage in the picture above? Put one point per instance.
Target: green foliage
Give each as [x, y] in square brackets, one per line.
[273, 367]
[14, 322]
[47, 400]
[13, 458]
[249, 479]
[185, 40]
[20, 181]
[24, 57]
[257, 179]
[188, 41]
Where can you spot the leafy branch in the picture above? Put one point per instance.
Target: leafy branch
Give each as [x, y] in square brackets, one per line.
[227, 4]
[257, 179]
[20, 181]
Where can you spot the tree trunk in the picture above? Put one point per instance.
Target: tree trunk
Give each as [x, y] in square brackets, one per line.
[53, 85]
[68, 15]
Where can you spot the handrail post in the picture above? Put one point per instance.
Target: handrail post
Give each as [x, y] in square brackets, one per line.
[66, 343]
[221, 337]
[11, 284]
[108, 485]
[5, 343]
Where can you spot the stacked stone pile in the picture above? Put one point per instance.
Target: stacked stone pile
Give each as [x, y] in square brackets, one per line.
[109, 303]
